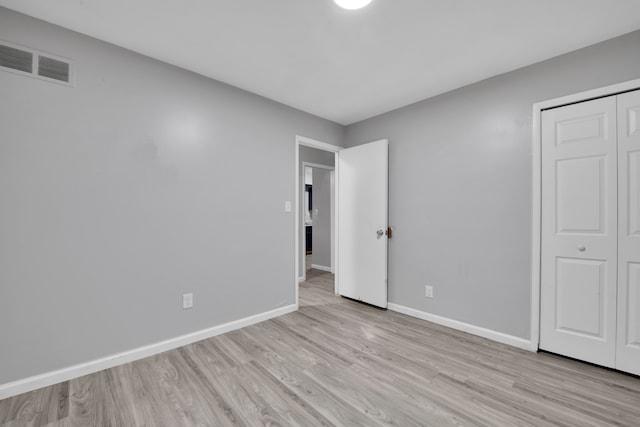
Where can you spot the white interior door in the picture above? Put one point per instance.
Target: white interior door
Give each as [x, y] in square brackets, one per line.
[628, 350]
[362, 222]
[579, 231]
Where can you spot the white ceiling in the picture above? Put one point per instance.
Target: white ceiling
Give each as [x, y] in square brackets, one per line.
[344, 65]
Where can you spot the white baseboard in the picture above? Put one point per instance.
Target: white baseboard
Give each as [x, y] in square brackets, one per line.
[43, 380]
[321, 267]
[466, 327]
[301, 279]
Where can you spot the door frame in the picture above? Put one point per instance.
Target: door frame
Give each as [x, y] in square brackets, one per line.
[536, 202]
[302, 251]
[309, 142]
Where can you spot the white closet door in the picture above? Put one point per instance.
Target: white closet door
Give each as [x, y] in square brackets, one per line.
[628, 351]
[579, 231]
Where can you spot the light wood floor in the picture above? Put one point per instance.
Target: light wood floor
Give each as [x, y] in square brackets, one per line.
[337, 362]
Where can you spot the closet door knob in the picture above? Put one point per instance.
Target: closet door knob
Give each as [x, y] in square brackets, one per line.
[582, 248]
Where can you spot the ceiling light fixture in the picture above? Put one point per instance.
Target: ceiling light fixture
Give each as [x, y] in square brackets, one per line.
[352, 4]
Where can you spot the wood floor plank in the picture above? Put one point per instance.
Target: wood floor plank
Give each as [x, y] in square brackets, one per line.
[325, 401]
[292, 408]
[337, 362]
[195, 399]
[145, 389]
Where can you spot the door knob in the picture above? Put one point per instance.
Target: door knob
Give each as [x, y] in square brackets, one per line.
[380, 233]
[582, 248]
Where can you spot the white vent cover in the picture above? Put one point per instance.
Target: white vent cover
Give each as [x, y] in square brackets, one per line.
[32, 63]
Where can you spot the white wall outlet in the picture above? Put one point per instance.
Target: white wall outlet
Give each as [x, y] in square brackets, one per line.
[187, 300]
[428, 291]
[287, 206]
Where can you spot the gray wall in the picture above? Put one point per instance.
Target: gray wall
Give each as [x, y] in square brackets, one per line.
[460, 185]
[140, 184]
[321, 216]
[320, 157]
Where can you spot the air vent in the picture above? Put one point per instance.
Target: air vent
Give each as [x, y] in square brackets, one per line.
[53, 69]
[32, 63]
[16, 59]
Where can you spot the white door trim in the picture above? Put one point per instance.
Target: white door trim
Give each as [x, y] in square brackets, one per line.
[536, 203]
[333, 225]
[308, 142]
[318, 166]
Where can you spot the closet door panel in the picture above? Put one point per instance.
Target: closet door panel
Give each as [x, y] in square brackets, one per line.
[579, 231]
[628, 340]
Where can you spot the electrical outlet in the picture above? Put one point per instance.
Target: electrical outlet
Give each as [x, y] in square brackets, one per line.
[428, 291]
[187, 301]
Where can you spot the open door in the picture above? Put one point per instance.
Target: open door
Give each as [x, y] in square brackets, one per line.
[363, 222]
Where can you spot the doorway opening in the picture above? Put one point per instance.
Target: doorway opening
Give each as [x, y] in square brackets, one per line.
[318, 221]
[318, 216]
[315, 208]
[360, 209]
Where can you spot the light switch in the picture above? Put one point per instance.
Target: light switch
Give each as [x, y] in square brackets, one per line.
[287, 206]
[187, 301]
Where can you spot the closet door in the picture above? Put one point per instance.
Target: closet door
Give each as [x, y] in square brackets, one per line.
[579, 231]
[628, 351]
